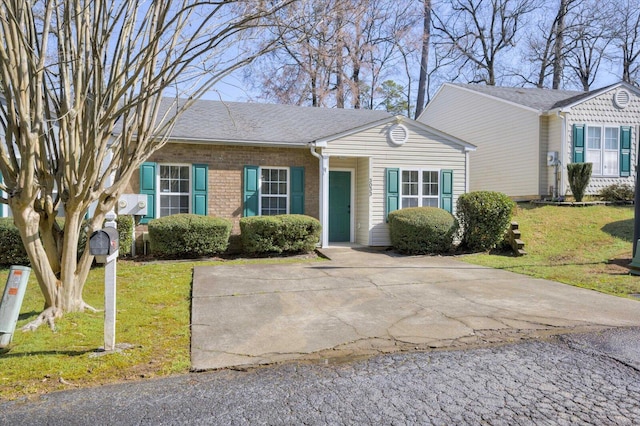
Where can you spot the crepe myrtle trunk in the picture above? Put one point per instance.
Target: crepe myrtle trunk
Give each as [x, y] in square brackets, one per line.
[61, 274]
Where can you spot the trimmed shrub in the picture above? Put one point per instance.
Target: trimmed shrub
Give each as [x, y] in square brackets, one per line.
[12, 250]
[422, 230]
[125, 234]
[188, 235]
[484, 217]
[579, 176]
[618, 192]
[289, 233]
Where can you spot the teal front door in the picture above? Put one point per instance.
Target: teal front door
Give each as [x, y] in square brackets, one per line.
[339, 206]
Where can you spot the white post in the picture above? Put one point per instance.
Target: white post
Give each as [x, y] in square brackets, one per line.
[110, 292]
[324, 200]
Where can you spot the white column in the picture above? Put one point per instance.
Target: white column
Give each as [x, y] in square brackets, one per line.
[324, 200]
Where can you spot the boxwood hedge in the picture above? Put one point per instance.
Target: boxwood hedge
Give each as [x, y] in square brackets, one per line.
[484, 217]
[279, 234]
[422, 230]
[188, 235]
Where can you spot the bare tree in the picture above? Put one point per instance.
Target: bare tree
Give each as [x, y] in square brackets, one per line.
[588, 38]
[335, 49]
[627, 39]
[558, 53]
[480, 32]
[72, 70]
[424, 58]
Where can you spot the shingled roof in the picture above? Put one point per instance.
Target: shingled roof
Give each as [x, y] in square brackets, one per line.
[539, 99]
[218, 121]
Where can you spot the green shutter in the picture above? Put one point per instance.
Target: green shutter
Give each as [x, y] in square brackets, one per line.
[251, 191]
[200, 176]
[625, 151]
[297, 190]
[392, 178]
[578, 143]
[148, 186]
[446, 190]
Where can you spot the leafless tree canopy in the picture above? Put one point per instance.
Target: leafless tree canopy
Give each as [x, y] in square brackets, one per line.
[334, 52]
[73, 70]
[340, 52]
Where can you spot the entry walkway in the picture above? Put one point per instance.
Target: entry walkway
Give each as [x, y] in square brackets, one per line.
[364, 301]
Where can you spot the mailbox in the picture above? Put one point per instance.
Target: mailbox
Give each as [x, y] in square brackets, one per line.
[103, 242]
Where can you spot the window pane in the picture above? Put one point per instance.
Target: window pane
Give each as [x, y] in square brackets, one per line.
[174, 190]
[409, 202]
[430, 183]
[409, 182]
[594, 137]
[611, 138]
[610, 163]
[593, 156]
[273, 196]
[430, 202]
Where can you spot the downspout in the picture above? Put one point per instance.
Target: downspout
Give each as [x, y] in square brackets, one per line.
[563, 151]
[324, 194]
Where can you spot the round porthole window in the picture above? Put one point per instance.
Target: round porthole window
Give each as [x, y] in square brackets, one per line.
[398, 134]
[621, 98]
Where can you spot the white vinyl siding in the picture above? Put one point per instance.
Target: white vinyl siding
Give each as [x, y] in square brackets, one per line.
[507, 136]
[423, 150]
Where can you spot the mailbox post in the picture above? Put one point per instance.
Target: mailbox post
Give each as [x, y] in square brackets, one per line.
[104, 244]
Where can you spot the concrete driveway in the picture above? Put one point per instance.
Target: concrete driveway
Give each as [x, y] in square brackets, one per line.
[363, 302]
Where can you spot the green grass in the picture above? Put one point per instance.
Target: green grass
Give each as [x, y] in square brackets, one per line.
[153, 314]
[571, 245]
[583, 246]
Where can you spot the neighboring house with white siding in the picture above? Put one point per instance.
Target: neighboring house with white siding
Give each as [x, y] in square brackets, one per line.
[527, 136]
[348, 168]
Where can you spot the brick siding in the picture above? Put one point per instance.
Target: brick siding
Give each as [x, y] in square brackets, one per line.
[226, 164]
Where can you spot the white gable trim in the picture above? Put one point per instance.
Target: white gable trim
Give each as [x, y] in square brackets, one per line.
[597, 93]
[323, 141]
[399, 120]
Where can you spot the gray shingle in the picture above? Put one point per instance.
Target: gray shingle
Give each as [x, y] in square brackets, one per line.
[539, 99]
[267, 123]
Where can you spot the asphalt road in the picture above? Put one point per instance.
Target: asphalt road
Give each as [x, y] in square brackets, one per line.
[572, 379]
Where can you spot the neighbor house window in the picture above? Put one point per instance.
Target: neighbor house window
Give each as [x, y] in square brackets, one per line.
[273, 191]
[420, 188]
[603, 150]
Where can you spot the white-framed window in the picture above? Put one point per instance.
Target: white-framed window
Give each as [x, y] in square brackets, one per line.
[420, 188]
[603, 150]
[175, 189]
[274, 191]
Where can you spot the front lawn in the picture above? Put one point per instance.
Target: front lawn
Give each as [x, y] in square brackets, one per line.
[153, 304]
[587, 247]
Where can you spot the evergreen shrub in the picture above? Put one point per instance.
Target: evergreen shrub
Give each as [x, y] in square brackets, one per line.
[188, 235]
[12, 250]
[289, 233]
[484, 217]
[422, 230]
[579, 176]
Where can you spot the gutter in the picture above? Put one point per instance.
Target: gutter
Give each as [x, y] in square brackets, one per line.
[324, 192]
